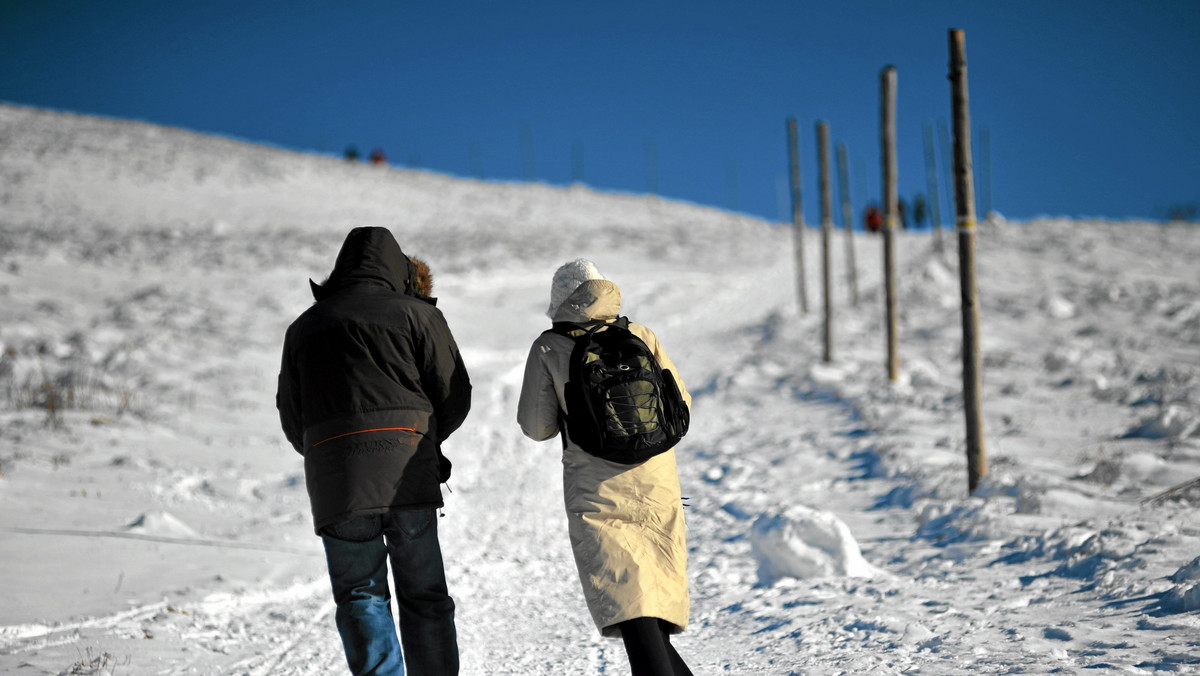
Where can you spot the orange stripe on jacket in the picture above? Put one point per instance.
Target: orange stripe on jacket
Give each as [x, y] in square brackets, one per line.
[378, 429]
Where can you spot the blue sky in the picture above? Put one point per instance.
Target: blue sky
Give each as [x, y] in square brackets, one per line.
[1091, 107]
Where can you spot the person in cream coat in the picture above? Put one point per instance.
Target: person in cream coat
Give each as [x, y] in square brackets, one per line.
[625, 522]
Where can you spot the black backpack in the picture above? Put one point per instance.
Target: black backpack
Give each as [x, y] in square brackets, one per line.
[622, 406]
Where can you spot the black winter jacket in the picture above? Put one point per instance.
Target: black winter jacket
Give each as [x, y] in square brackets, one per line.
[370, 386]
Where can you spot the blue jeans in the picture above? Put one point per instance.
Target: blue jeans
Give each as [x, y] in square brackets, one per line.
[357, 552]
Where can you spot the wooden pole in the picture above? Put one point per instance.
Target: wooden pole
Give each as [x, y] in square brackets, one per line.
[732, 192]
[943, 135]
[650, 150]
[476, 157]
[848, 220]
[577, 162]
[797, 213]
[985, 151]
[826, 232]
[887, 81]
[528, 158]
[931, 187]
[964, 205]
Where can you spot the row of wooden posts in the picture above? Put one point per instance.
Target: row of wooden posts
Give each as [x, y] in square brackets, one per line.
[964, 202]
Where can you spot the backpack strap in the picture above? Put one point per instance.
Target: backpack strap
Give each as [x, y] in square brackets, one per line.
[576, 331]
[568, 329]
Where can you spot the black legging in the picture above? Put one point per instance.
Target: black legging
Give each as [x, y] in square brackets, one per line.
[650, 650]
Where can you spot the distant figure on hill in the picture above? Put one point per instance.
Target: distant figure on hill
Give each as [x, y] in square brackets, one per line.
[902, 213]
[377, 157]
[351, 153]
[918, 210]
[371, 385]
[873, 219]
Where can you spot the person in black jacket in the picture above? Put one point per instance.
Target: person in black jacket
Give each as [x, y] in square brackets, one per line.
[371, 385]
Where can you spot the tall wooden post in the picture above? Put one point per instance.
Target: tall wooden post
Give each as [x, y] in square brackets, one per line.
[476, 159]
[964, 206]
[887, 81]
[985, 152]
[931, 187]
[947, 153]
[577, 162]
[650, 150]
[826, 232]
[848, 220]
[797, 213]
[528, 158]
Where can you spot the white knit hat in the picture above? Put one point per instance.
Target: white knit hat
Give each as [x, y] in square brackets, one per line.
[567, 278]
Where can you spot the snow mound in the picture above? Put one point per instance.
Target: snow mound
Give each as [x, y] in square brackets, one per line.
[1188, 573]
[1058, 307]
[916, 635]
[1173, 422]
[1185, 596]
[938, 285]
[802, 542]
[1182, 599]
[160, 523]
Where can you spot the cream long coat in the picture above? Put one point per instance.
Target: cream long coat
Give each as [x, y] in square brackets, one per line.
[625, 521]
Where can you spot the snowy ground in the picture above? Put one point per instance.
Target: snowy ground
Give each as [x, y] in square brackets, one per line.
[155, 522]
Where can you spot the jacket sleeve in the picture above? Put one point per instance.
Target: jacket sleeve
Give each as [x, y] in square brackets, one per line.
[537, 408]
[443, 377]
[287, 400]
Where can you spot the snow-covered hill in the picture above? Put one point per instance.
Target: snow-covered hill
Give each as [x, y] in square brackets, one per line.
[153, 521]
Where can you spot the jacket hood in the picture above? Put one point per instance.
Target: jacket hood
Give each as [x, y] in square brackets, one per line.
[369, 255]
[567, 278]
[596, 299]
